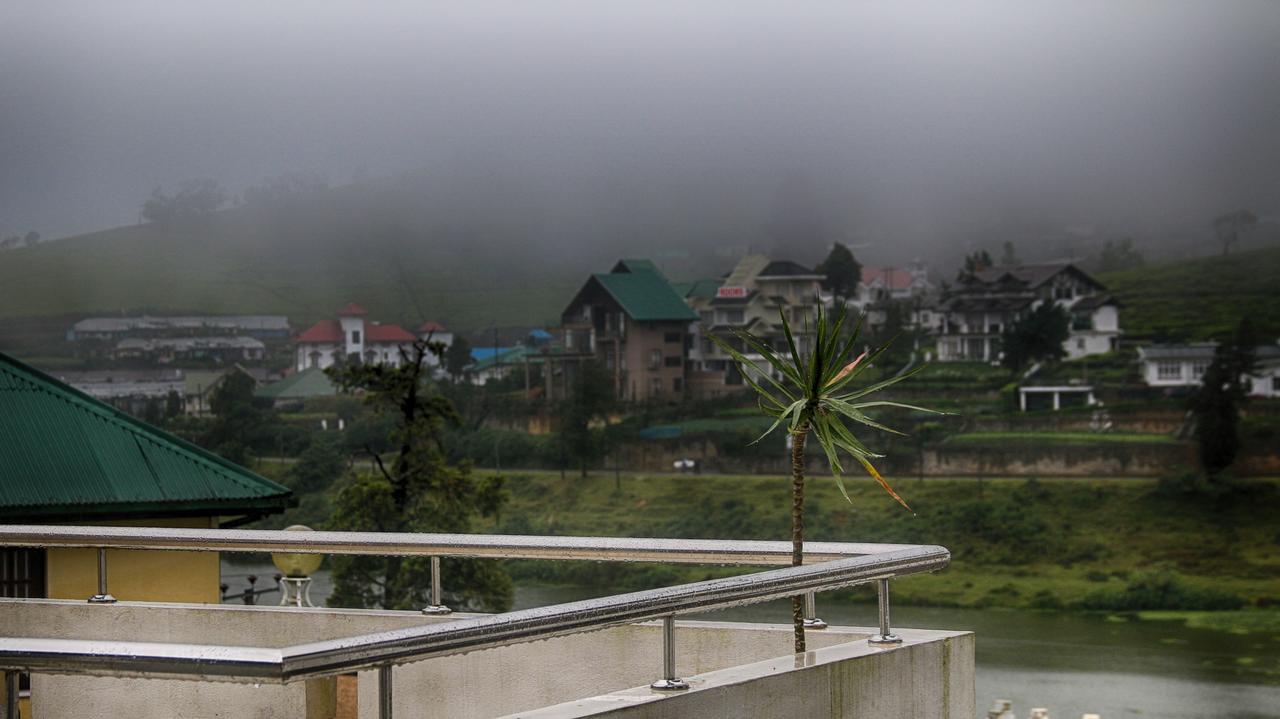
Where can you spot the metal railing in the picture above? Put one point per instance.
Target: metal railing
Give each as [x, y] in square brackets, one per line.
[832, 565]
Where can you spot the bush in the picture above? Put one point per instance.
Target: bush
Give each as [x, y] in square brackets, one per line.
[1160, 589]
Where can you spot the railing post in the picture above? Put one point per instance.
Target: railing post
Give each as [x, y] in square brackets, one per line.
[102, 597]
[11, 694]
[885, 636]
[811, 620]
[437, 593]
[384, 692]
[669, 680]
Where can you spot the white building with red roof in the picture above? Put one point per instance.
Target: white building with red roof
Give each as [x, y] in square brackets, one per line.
[352, 333]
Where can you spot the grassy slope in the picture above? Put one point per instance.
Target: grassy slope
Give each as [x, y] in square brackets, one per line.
[238, 263]
[1200, 299]
[1010, 539]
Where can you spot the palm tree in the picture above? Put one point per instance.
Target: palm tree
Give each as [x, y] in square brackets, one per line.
[812, 393]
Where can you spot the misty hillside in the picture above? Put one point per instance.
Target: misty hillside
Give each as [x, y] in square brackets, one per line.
[1200, 299]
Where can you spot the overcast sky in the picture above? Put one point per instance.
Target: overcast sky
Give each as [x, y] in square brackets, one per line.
[919, 120]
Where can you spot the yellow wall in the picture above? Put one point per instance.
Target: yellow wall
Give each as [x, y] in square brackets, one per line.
[139, 575]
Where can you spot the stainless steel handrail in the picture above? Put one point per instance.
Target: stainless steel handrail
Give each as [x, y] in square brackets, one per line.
[832, 565]
[606, 549]
[113, 658]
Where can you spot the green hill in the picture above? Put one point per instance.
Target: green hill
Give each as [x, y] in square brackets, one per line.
[1202, 298]
[302, 264]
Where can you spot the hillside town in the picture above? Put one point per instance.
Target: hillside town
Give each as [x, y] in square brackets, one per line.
[653, 336]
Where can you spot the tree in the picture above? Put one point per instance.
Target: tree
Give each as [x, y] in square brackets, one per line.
[974, 263]
[1215, 406]
[1119, 255]
[842, 270]
[420, 492]
[1217, 418]
[1008, 255]
[590, 399]
[194, 200]
[319, 465]
[239, 416]
[458, 357]
[1229, 226]
[812, 394]
[1035, 337]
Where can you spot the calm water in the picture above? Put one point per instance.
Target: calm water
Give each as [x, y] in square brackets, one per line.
[1069, 663]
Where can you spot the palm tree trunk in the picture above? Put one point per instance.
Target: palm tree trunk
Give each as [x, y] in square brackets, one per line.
[797, 526]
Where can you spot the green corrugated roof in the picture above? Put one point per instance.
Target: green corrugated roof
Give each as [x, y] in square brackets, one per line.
[645, 296]
[310, 382]
[64, 454]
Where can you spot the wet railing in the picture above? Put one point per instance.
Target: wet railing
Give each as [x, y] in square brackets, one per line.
[832, 565]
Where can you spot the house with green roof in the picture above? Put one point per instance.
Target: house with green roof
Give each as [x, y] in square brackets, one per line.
[66, 457]
[635, 323]
[299, 387]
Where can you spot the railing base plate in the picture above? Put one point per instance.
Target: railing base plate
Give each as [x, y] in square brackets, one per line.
[669, 685]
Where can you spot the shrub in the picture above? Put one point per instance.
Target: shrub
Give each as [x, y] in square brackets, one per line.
[1160, 589]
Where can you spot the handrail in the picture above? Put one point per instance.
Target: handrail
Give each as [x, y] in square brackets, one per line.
[833, 565]
[491, 546]
[327, 658]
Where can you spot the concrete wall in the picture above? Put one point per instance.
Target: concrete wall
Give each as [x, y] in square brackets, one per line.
[515, 679]
[138, 575]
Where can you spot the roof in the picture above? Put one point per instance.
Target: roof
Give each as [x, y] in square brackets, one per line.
[786, 268]
[893, 278]
[67, 455]
[322, 332]
[148, 322]
[636, 266]
[505, 355]
[431, 326]
[189, 344]
[1093, 302]
[378, 332]
[645, 296]
[1198, 350]
[310, 382]
[352, 310]
[1032, 275]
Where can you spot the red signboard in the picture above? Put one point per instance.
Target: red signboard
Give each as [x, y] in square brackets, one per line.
[731, 292]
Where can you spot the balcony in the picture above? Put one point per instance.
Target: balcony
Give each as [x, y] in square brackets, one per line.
[625, 655]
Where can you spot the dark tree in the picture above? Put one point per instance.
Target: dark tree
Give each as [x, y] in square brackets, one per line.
[974, 263]
[319, 465]
[31, 239]
[419, 492]
[1036, 337]
[1229, 226]
[1119, 255]
[194, 200]
[239, 416]
[1217, 417]
[591, 397]
[1008, 255]
[842, 270]
[458, 357]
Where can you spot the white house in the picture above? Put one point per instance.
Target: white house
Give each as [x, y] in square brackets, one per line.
[435, 332]
[986, 303]
[1185, 365]
[351, 334]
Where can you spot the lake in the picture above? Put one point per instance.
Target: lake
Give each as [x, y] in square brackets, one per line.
[1070, 663]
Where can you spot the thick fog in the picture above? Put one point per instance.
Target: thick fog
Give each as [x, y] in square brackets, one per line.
[902, 127]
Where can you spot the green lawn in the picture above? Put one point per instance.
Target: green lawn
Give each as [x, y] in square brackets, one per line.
[1059, 438]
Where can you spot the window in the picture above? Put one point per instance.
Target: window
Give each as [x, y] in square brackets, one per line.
[707, 317]
[655, 359]
[1275, 384]
[313, 359]
[1198, 368]
[1168, 370]
[733, 317]
[706, 346]
[1080, 343]
[671, 361]
[671, 337]
[355, 337]
[22, 573]
[677, 384]
[994, 328]
[655, 385]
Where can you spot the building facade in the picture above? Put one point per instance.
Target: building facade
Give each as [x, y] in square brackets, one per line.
[988, 302]
[351, 334]
[636, 325]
